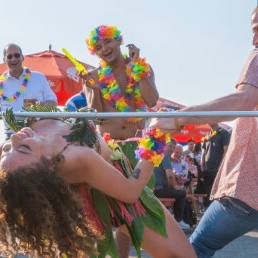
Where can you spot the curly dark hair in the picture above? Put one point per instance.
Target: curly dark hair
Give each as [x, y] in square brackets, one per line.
[40, 213]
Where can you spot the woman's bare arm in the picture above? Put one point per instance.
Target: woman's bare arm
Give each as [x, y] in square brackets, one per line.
[83, 164]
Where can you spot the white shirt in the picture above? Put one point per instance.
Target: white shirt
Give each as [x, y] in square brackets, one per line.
[37, 88]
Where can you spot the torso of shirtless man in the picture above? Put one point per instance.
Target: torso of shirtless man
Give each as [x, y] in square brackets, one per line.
[120, 128]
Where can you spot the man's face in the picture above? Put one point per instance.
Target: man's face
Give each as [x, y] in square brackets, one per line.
[13, 59]
[190, 146]
[254, 24]
[170, 147]
[177, 154]
[108, 49]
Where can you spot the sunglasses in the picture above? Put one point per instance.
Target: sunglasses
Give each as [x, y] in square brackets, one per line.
[15, 55]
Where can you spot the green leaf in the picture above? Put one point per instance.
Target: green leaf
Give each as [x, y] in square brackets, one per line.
[107, 245]
[155, 217]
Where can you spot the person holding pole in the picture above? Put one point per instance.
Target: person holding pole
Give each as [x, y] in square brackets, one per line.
[234, 210]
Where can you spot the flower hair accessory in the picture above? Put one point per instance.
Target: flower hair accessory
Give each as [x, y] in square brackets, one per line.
[152, 146]
[102, 32]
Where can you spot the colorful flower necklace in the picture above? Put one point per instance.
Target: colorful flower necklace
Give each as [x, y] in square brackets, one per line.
[112, 93]
[17, 93]
[184, 170]
[212, 134]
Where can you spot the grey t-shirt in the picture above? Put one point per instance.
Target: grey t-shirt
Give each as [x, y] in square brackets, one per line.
[160, 171]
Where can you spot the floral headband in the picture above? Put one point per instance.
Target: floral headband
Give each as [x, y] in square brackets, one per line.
[102, 32]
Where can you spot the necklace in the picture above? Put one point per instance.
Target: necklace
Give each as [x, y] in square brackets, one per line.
[212, 134]
[183, 167]
[112, 92]
[17, 93]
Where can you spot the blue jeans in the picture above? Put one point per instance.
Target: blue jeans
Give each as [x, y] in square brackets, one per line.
[224, 221]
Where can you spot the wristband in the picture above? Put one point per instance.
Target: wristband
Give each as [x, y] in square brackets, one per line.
[152, 146]
[139, 69]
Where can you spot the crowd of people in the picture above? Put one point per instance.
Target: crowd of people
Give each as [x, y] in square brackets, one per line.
[65, 183]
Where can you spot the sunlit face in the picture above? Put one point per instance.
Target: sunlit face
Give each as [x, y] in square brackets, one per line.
[170, 147]
[23, 148]
[176, 155]
[108, 49]
[190, 145]
[13, 59]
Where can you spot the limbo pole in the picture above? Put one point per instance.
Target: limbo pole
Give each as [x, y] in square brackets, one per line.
[95, 115]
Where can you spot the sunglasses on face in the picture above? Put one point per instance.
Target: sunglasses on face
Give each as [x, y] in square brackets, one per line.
[15, 55]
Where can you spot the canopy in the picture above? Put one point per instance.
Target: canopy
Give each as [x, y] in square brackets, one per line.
[60, 72]
[194, 132]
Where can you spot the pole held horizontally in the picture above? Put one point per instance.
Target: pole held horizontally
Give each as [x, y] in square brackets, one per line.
[101, 115]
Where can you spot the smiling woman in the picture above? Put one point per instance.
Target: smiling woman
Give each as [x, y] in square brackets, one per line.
[61, 178]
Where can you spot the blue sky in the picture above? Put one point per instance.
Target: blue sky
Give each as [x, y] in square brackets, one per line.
[196, 48]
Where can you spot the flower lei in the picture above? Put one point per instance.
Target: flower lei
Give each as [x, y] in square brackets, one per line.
[135, 71]
[212, 134]
[152, 147]
[183, 167]
[17, 93]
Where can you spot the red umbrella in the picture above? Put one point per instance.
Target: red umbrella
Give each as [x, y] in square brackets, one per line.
[195, 132]
[60, 72]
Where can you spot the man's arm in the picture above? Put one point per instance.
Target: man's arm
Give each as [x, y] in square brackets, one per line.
[170, 177]
[244, 99]
[203, 160]
[149, 91]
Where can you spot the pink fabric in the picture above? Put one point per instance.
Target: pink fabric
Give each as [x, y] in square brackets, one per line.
[238, 173]
[249, 72]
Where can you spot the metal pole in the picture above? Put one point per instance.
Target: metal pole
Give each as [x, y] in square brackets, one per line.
[137, 114]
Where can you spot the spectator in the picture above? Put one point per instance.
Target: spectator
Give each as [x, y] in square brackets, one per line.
[178, 162]
[76, 102]
[165, 185]
[192, 173]
[18, 81]
[215, 146]
[197, 153]
[190, 148]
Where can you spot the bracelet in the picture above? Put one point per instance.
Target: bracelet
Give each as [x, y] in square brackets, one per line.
[152, 146]
[139, 69]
